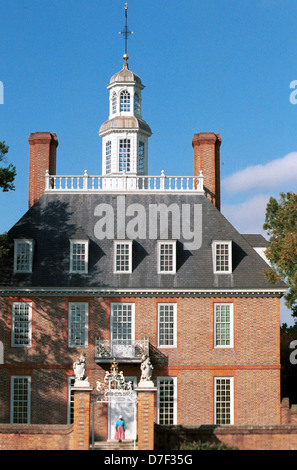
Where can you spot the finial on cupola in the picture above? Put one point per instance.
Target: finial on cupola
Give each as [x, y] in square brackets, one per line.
[126, 34]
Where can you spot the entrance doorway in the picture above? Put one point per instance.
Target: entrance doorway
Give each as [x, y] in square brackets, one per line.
[125, 408]
[120, 395]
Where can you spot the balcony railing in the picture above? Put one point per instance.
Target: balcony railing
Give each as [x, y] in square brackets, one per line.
[122, 350]
[124, 182]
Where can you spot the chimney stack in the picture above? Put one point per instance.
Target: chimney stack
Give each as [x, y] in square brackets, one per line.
[43, 147]
[207, 159]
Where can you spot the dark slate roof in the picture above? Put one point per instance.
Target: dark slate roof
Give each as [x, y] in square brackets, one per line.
[56, 218]
[256, 240]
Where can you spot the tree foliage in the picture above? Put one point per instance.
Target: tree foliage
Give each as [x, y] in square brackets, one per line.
[281, 225]
[7, 173]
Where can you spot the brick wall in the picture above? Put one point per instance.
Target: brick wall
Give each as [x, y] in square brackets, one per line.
[277, 437]
[254, 361]
[35, 437]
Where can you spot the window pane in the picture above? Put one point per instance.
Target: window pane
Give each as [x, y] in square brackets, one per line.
[21, 328]
[124, 155]
[79, 257]
[78, 322]
[122, 321]
[108, 157]
[166, 325]
[20, 400]
[223, 401]
[136, 104]
[122, 257]
[114, 103]
[223, 325]
[222, 257]
[166, 401]
[141, 158]
[125, 101]
[167, 257]
[23, 256]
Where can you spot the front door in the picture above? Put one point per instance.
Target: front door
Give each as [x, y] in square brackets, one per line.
[127, 409]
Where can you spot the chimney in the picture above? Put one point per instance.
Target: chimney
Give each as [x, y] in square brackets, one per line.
[43, 146]
[207, 159]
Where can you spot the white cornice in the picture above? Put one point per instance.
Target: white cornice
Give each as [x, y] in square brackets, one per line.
[141, 292]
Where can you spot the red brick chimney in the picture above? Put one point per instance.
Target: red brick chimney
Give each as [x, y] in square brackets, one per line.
[43, 147]
[207, 159]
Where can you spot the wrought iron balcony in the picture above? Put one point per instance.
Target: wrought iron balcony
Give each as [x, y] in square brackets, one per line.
[123, 350]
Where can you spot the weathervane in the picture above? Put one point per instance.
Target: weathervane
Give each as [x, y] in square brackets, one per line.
[126, 31]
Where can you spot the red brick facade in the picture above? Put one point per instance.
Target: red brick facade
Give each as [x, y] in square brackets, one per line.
[253, 362]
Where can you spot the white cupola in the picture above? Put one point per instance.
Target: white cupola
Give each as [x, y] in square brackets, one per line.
[125, 134]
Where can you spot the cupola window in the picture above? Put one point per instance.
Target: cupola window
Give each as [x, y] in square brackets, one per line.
[108, 157]
[124, 155]
[125, 101]
[141, 158]
[136, 104]
[114, 103]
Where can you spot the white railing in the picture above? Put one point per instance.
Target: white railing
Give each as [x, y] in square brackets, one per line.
[124, 182]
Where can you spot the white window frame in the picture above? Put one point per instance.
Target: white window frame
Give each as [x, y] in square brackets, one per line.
[86, 260]
[141, 158]
[84, 327]
[215, 244]
[231, 328]
[13, 401]
[114, 103]
[29, 261]
[125, 154]
[173, 244]
[174, 327]
[136, 104]
[28, 327]
[215, 383]
[129, 244]
[125, 101]
[112, 306]
[167, 379]
[108, 157]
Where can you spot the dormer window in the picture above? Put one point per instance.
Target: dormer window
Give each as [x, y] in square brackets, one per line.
[125, 101]
[23, 255]
[123, 256]
[222, 257]
[79, 256]
[167, 257]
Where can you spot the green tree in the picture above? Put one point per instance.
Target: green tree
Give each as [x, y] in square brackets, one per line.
[7, 173]
[281, 226]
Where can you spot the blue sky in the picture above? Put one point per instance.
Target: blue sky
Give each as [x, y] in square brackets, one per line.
[217, 65]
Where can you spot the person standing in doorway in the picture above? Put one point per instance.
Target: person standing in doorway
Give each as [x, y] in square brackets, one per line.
[120, 427]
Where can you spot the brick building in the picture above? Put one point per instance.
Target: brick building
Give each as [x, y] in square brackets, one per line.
[127, 264]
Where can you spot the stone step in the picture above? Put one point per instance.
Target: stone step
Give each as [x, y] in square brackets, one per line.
[115, 445]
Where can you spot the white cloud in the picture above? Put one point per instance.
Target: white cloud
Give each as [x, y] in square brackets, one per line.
[271, 176]
[248, 216]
